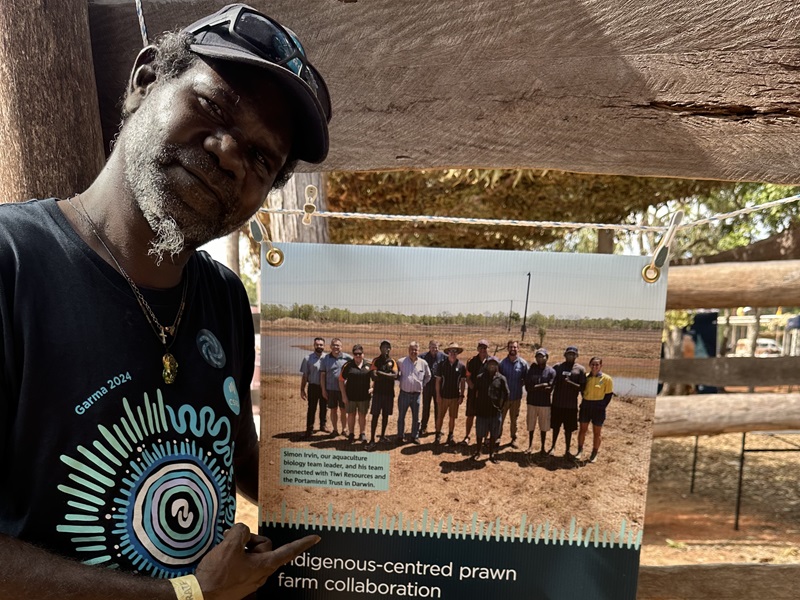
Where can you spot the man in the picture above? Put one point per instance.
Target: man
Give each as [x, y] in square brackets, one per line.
[596, 396]
[329, 370]
[475, 367]
[434, 358]
[568, 383]
[539, 385]
[310, 370]
[450, 379]
[125, 416]
[514, 368]
[491, 392]
[413, 374]
[354, 381]
[384, 374]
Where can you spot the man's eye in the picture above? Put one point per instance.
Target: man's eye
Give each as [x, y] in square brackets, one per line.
[210, 106]
[261, 158]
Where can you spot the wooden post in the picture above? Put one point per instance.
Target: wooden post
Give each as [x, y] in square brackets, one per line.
[290, 228]
[768, 283]
[49, 116]
[712, 414]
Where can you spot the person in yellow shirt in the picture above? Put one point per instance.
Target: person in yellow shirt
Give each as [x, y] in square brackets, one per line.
[596, 396]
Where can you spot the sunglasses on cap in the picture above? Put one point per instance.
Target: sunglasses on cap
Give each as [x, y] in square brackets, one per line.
[268, 40]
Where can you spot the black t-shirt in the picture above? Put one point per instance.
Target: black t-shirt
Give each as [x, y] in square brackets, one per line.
[491, 393]
[100, 460]
[565, 395]
[475, 366]
[384, 386]
[356, 380]
[539, 396]
[451, 374]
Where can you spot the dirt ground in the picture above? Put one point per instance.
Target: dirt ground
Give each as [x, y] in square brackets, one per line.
[690, 528]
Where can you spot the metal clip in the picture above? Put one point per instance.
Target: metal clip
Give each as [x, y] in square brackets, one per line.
[258, 232]
[652, 272]
[310, 207]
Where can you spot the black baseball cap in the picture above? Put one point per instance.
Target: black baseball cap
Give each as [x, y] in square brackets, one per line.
[240, 33]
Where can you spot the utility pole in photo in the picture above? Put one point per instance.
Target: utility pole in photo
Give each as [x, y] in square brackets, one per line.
[525, 315]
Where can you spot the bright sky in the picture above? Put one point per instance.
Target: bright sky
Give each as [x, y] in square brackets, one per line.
[430, 281]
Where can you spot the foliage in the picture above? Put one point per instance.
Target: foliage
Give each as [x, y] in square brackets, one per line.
[536, 321]
[718, 236]
[494, 194]
[550, 196]
[251, 287]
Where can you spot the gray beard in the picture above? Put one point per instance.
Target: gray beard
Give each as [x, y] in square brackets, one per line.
[156, 197]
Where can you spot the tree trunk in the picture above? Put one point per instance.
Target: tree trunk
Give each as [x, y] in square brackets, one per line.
[290, 228]
[605, 241]
[49, 116]
[232, 252]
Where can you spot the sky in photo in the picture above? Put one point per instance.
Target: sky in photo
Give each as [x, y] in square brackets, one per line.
[432, 281]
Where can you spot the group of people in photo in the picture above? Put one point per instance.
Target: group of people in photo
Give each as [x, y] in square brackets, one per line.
[348, 387]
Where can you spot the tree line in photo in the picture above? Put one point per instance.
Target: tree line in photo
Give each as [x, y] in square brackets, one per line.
[534, 321]
[346, 387]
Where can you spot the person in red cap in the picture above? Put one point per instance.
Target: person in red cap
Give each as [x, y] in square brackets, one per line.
[126, 424]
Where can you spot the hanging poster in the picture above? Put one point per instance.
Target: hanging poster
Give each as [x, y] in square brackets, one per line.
[382, 366]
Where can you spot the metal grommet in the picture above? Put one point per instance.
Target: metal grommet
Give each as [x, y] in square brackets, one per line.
[651, 273]
[274, 257]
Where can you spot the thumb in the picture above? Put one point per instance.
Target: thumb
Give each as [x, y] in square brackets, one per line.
[238, 535]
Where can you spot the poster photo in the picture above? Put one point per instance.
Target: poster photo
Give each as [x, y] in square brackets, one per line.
[457, 423]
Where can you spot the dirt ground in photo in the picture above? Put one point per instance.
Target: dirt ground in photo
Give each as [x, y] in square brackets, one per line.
[548, 489]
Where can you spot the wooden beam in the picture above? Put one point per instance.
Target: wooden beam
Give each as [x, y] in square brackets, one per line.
[728, 285]
[712, 414]
[49, 117]
[733, 371]
[718, 582]
[631, 88]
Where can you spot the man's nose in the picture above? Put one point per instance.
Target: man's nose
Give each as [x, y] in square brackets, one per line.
[229, 152]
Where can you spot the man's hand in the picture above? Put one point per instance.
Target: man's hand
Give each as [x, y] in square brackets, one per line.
[303, 395]
[241, 563]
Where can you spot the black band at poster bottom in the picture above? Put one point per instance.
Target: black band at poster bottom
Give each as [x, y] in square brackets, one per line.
[373, 564]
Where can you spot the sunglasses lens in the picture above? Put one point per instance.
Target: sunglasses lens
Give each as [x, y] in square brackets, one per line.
[268, 39]
[281, 47]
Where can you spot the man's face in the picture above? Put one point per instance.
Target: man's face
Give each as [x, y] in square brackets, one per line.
[541, 360]
[452, 355]
[336, 348]
[319, 346]
[385, 349]
[483, 351]
[570, 356]
[358, 356]
[433, 347]
[491, 366]
[513, 350]
[413, 351]
[201, 152]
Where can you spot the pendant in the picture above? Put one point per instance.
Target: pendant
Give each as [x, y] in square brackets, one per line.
[170, 372]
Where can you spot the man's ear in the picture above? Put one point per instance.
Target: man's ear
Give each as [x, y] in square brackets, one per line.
[142, 77]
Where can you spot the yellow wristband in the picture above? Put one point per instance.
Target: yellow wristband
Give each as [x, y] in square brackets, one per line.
[187, 588]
